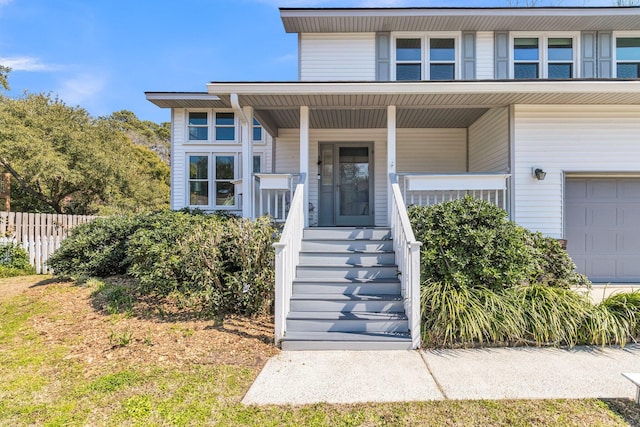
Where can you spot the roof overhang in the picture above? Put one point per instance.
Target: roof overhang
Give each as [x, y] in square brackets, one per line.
[322, 20]
[420, 104]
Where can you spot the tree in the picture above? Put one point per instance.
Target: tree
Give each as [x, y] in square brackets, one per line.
[627, 2]
[63, 160]
[156, 137]
[4, 77]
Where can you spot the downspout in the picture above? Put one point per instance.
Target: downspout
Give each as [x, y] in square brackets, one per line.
[235, 104]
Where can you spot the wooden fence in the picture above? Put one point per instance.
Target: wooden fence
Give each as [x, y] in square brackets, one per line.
[39, 234]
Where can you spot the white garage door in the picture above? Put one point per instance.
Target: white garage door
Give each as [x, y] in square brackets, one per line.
[603, 227]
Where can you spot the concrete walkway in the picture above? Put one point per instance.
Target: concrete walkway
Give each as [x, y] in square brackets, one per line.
[305, 377]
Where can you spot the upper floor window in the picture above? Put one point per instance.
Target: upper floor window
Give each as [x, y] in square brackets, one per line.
[225, 127]
[628, 57]
[547, 57]
[425, 58]
[198, 126]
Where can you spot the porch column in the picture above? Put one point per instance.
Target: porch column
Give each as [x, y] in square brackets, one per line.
[247, 162]
[391, 154]
[304, 157]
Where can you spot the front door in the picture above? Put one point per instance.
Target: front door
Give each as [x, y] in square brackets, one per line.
[346, 184]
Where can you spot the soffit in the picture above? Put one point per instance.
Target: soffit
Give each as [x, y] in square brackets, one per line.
[460, 19]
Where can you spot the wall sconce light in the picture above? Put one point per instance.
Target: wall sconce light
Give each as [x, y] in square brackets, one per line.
[539, 174]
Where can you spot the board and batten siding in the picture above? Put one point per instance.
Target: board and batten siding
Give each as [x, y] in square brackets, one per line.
[564, 139]
[431, 150]
[484, 55]
[489, 142]
[337, 57]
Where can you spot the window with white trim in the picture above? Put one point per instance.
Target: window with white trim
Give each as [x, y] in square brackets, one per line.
[211, 177]
[198, 126]
[257, 163]
[258, 133]
[544, 57]
[225, 126]
[628, 57]
[428, 57]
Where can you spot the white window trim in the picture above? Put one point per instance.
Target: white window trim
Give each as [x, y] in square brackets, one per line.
[614, 53]
[262, 140]
[424, 51]
[543, 47]
[187, 126]
[211, 179]
[236, 127]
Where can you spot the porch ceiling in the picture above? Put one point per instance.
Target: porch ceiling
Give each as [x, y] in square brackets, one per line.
[376, 118]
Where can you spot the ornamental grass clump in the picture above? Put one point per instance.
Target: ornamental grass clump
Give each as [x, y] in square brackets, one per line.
[487, 281]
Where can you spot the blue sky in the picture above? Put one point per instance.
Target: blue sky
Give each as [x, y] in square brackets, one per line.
[104, 54]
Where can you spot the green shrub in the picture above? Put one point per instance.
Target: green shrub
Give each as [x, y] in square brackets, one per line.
[14, 261]
[471, 243]
[455, 316]
[223, 265]
[97, 248]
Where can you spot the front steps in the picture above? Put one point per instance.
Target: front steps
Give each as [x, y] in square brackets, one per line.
[346, 295]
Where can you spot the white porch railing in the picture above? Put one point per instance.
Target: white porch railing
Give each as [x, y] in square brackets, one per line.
[407, 251]
[287, 257]
[273, 193]
[429, 189]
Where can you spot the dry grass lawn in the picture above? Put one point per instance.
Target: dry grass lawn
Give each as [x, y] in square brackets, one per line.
[68, 358]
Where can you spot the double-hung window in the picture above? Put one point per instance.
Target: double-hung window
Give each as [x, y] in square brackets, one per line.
[198, 126]
[425, 58]
[211, 179]
[628, 57]
[544, 57]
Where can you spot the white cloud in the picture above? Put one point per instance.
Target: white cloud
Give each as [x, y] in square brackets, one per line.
[288, 57]
[5, 2]
[82, 89]
[26, 63]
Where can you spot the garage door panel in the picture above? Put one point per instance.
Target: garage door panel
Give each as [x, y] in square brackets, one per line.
[629, 243]
[576, 189]
[629, 267]
[629, 216]
[602, 217]
[629, 188]
[601, 241]
[602, 190]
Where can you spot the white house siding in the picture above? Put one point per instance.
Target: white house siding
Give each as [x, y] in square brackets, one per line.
[180, 147]
[489, 142]
[484, 55]
[431, 150]
[337, 57]
[568, 139]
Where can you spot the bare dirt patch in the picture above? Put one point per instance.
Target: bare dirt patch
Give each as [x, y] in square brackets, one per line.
[133, 340]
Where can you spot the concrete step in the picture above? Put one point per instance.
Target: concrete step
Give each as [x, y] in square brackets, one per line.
[347, 233]
[332, 245]
[347, 258]
[346, 341]
[347, 286]
[346, 272]
[322, 321]
[347, 303]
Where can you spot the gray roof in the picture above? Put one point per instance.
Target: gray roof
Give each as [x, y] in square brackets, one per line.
[322, 20]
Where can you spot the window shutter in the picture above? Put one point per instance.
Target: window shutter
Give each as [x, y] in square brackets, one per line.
[605, 54]
[501, 54]
[468, 56]
[588, 43]
[383, 56]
